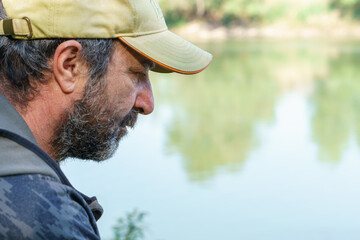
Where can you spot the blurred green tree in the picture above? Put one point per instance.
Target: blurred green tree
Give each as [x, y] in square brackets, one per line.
[249, 12]
[348, 8]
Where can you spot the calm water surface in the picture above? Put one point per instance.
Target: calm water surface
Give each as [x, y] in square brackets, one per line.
[262, 145]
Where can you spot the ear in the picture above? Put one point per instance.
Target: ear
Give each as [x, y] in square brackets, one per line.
[67, 65]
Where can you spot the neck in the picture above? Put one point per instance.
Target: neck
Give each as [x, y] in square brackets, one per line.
[43, 115]
[38, 120]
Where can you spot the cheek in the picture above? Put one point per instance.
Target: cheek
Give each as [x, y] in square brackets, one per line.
[122, 95]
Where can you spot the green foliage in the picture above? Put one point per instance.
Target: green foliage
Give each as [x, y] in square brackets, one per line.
[228, 19]
[254, 11]
[130, 227]
[349, 8]
[347, 2]
[175, 18]
[312, 10]
[277, 11]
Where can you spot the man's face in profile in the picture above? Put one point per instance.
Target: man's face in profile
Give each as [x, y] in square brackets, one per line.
[98, 121]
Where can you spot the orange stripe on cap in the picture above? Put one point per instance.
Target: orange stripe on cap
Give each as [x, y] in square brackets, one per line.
[159, 63]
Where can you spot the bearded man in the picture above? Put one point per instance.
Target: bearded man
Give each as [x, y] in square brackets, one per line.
[74, 75]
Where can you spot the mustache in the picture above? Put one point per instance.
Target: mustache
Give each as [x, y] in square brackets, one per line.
[130, 119]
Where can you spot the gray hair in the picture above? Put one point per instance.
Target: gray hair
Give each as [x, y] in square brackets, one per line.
[23, 63]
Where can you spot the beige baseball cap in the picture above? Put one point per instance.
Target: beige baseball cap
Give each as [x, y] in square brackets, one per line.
[140, 24]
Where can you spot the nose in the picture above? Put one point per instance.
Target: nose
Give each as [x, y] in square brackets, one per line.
[144, 102]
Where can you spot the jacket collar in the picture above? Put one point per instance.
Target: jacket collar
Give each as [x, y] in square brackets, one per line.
[12, 121]
[14, 158]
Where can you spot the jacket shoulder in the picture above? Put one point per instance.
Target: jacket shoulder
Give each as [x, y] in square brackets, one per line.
[40, 207]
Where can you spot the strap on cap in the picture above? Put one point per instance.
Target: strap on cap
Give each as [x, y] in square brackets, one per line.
[16, 27]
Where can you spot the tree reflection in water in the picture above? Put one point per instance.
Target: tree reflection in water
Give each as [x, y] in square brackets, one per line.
[336, 102]
[216, 113]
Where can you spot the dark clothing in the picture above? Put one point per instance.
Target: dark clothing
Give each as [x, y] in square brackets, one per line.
[36, 199]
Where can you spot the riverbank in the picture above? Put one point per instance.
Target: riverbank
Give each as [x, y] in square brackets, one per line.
[203, 31]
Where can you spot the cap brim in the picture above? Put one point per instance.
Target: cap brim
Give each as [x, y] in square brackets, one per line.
[170, 52]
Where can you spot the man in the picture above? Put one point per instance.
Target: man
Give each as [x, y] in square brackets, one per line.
[73, 77]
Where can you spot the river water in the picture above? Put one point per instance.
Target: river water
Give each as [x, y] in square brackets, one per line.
[262, 145]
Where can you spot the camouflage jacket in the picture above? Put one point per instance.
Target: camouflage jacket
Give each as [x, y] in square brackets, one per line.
[36, 199]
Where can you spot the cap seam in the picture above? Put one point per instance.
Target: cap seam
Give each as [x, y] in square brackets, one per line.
[140, 34]
[134, 12]
[56, 16]
[51, 18]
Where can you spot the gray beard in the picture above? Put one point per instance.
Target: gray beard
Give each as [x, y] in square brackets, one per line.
[89, 131]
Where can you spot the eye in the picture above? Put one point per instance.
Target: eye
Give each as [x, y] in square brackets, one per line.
[141, 76]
